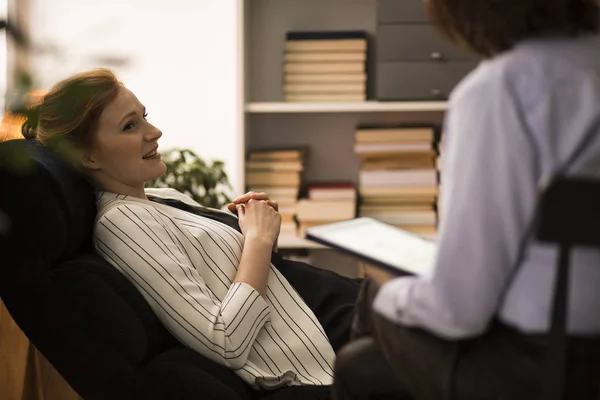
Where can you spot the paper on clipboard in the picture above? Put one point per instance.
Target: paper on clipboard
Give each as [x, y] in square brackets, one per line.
[379, 244]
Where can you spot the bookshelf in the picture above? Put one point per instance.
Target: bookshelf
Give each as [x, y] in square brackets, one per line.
[326, 128]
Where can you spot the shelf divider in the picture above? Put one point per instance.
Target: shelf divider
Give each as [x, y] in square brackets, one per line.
[342, 107]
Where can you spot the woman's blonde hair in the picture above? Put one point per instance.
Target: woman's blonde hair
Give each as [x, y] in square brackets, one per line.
[67, 117]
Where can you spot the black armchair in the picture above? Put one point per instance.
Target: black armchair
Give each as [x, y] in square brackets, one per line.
[85, 317]
[568, 214]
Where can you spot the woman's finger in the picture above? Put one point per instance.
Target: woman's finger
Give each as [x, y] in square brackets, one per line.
[251, 195]
[273, 204]
[259, 196]
[244, 198]
[241, 210]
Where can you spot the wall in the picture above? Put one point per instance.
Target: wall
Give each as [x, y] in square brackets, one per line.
[184, 63]
[3, 58]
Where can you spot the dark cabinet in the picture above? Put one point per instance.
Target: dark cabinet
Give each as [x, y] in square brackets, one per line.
[413, 61]
[394, 11]
[408, 80]
[416, 42]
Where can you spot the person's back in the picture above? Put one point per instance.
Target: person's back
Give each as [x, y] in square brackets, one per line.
[518, 119]
[553, 86]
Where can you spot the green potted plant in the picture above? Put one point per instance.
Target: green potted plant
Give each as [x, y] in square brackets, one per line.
[207, 183]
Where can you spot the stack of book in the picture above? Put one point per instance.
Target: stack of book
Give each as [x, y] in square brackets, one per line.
[326, 202]
[278, 173]
[398, 177]
[325, 66]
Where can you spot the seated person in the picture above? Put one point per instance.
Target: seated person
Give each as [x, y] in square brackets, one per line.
[211, 278]
[477, 328]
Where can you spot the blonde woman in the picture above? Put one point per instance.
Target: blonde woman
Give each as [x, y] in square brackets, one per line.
[211, 278]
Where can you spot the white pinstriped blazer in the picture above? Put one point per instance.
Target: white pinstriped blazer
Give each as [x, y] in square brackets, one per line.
[184, 264]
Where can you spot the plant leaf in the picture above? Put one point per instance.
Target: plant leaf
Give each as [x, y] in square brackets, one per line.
[188, 173]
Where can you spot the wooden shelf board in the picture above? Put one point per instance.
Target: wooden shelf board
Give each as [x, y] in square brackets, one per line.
[349, 107]
[293, 242]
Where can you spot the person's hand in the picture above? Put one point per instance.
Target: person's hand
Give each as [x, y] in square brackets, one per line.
[257, 218]
[243, 199]
[380, 276]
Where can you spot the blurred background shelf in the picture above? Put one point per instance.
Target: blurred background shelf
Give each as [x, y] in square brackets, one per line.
[349, 107]
[408, 74]
[293, 242]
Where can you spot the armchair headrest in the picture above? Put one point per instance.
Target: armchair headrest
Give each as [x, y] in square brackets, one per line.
[48, 204]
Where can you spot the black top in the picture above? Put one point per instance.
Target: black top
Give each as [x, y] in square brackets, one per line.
[222, 217]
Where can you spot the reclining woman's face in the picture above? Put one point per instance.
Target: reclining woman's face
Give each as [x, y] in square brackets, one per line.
[124, 155]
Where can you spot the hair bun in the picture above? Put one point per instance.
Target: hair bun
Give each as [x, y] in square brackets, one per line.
[29, 127]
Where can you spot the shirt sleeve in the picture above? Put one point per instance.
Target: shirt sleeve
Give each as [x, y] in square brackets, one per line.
[147, 252]
[489, 182]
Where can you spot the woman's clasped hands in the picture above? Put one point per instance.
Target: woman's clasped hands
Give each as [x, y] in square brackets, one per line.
[258, 215]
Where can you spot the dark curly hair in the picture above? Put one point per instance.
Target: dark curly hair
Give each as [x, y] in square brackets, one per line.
[490, 27]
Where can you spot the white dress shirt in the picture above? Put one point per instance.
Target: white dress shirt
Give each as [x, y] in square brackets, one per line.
[184, 264]
[517, 119]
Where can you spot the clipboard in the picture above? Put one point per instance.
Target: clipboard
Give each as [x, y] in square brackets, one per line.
[378, 244]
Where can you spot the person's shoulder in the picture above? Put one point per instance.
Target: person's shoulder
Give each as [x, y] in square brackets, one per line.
[487, 78]
[531, 70]
[112, 205]
[493, 75]
[164, 192]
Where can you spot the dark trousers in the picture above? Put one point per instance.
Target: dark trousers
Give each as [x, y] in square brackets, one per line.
[332, 298]
[407, 363]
